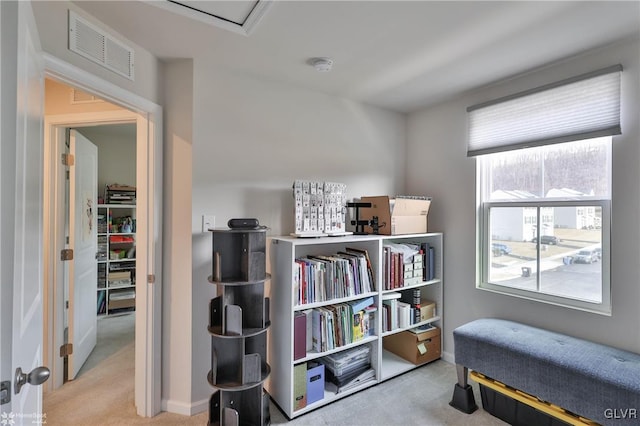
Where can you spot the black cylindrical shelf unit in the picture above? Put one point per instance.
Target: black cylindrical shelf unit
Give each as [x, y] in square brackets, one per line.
[238, 322]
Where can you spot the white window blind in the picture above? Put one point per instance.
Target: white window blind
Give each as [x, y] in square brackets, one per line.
[579, 108]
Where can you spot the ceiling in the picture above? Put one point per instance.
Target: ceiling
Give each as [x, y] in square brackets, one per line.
[398, 55]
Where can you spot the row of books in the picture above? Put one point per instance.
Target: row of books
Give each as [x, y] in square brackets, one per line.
[328, 327]
[344, 274]
[102, 302]
[102, 223]
[407, 264]
[401, 310]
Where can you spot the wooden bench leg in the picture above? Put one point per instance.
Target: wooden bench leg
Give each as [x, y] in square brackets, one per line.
[463, 398]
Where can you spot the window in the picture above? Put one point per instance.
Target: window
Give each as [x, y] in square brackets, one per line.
[535, 202]
[544, 201]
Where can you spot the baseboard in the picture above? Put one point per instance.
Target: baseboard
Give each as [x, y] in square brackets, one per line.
[449, 357]
[200, 406]
[185, 409]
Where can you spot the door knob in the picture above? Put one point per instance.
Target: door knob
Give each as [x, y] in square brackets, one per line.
[36, 377]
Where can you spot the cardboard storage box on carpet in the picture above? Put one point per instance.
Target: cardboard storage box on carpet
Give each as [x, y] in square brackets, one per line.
[396, 216]
[418, 348]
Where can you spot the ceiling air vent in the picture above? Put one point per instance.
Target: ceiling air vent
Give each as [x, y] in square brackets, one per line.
[97, 45]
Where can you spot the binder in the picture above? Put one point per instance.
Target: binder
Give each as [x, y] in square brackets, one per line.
[432, 265]
[300, 386]
[315, 382]
[309, 317]
[299, 335]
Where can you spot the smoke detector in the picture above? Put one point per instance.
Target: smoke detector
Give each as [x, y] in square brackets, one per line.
[321, 64]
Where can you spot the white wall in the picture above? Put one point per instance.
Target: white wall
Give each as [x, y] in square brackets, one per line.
[116, 154]
[437, 165]
[252, 139]
[177, 325]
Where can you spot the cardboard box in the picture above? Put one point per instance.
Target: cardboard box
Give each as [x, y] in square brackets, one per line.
[396, 216]
[417, 348]
[121, 304]
[427, 309]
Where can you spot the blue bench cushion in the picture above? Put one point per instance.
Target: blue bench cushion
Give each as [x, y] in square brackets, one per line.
[586, 378]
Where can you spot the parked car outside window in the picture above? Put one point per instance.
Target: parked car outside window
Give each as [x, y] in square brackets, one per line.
[499, 249]
[585, 256]
[598, 252]
[547, 239]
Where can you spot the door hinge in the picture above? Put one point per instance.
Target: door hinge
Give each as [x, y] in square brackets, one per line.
[151, 278]
[66, 254]
[66, 304]
[66, 350]
[5, 392]
[68, 159]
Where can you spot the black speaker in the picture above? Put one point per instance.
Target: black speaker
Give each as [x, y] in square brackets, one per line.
[244, 223]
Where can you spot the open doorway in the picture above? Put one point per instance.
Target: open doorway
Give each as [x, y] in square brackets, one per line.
[113, 294]
[113, 132]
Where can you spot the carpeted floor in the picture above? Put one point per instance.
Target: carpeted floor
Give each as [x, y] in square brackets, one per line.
[114, 333]
[104, 396]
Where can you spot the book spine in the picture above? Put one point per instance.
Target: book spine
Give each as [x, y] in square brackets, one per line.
[432, 255]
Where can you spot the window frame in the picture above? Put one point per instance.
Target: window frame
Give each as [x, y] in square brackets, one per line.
[483, 251]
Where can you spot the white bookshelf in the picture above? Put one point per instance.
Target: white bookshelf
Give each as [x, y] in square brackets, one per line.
[115, 294]
[283, 252]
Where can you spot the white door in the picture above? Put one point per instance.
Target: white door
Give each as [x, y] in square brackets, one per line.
[83, 239]
[22, 88]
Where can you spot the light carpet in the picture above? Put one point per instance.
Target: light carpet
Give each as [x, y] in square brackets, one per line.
[104, 395]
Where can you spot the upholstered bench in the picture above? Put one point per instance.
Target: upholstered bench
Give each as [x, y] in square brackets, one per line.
[591, 380]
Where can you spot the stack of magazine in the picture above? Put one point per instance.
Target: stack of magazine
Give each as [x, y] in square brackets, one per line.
[348, 369]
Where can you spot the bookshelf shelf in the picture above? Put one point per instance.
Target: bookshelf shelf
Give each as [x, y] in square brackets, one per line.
[398, 330]
[393, 365]
[420, 284]
[116, 257]
[334, 301]
[284, 294]
[332, 396]
[314, 355]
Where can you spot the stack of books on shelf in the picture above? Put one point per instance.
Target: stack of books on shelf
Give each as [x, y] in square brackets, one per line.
[120, 194]
[405, 308]
[407, 264]
[102, 247]
[102, 223]
[102, 274]
[348, 369]
[124, 265]
[333, 326]
[344, 274]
